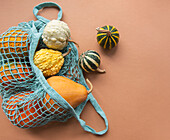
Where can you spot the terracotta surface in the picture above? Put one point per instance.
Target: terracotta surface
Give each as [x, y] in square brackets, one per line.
[134, 92]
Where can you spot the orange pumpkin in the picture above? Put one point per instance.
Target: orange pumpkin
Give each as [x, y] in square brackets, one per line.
[74, 93]
[14, 43]
[14, 72]
[23, 115]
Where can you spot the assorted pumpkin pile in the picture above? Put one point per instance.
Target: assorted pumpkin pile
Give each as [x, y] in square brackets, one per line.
[50, 60]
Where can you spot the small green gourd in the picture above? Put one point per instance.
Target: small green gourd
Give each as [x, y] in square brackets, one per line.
[90, 61]
[107, 36]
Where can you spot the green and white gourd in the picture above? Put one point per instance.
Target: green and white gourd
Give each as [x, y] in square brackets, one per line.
[89, 61]
[107, 36]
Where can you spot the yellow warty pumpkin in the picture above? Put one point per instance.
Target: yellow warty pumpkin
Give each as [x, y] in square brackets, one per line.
[49, 61]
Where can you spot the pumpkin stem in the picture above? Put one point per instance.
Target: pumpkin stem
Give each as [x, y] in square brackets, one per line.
[74, 42]
[104, 31]
[66, 53]
[100, 70]
[91, 86]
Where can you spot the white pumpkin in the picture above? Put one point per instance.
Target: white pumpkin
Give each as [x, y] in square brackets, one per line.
[56, 34]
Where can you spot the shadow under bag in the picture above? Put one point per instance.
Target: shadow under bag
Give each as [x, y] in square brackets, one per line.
[19, 77]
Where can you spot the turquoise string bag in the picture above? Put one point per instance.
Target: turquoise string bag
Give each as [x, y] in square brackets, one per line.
[23, 87]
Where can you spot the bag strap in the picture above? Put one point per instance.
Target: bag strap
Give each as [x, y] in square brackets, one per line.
[46, 4]
[100, 112]
[90, 96]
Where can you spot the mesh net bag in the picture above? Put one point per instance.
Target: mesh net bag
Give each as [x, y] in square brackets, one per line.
[23, 87]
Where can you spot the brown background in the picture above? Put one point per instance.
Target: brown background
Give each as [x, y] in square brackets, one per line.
[135, 91]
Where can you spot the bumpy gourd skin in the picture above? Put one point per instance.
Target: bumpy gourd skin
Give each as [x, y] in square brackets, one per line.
[49, 61]
[56, 34]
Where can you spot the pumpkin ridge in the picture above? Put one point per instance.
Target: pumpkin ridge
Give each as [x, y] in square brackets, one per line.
[81, 64]
[108, 27]
[87, 65]
[105, 43]
[115, 36]
[110, 41]
[92, 64]
[99, 34]
[102, 28]
[113, 40]
[102, 39]
[94, 54]
[94, 57]
[112, 28]
[92, 60]
[115, 33]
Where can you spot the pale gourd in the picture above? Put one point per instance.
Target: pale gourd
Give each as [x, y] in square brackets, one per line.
[56, 35]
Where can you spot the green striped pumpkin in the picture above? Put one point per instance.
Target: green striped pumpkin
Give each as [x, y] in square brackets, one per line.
[107, 36]
[90, 61]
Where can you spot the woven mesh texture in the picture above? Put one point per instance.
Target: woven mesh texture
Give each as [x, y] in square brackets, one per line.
[25, 100]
